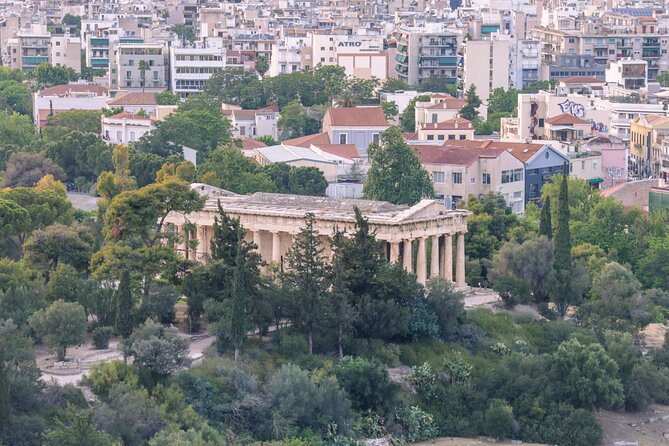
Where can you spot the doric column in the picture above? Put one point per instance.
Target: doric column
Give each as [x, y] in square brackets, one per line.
[181, 246]
[394, 251]
[460, 262]
[276, 247]
[192, 248]
[257, 239]
[202, 242]
[407, 256]
[434, 261]
[448, 257]
[421, 261]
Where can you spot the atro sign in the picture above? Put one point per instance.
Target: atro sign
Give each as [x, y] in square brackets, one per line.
[349, 44]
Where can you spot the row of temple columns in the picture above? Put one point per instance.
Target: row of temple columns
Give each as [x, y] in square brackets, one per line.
[441, 257]
[440, 261]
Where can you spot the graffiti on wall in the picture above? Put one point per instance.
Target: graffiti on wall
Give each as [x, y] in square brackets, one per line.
[598, 127]
[615, 173]
[572, 108]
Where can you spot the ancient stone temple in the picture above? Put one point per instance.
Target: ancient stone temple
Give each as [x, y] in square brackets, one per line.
[421, 236]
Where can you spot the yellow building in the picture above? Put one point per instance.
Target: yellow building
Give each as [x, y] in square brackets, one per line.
[646, 136]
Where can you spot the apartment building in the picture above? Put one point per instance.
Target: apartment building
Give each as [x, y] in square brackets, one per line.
[125, 128]
[449, 130]
[426, 52]
[647, 136]
[441, 107]
[66, 51]
[29, 48]
[487, 65]
[459, 171]
[192, 65]
[525, 63]
[139, 66]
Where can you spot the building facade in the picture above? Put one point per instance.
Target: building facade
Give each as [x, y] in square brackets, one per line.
[426, 52]
[271, 221]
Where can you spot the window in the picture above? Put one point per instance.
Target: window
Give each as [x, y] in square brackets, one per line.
[457, 178]
[128, 74]
[343, 138]
[511, 176]
[430, 137]
[440, 137]
[463, 137]
[541, 123]
[517, 194]
[155, 75]
[472, 180]
[242, 130]
[451, 137]
[485, 178]
[375, 138]
[434, 118]
[131, 62]
[119, 136]
[438, 177]
[132, 136]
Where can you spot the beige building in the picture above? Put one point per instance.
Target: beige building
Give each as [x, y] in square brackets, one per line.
[487, 65]
[459, 171]
[440, 108]
[452, 129]
[272, 220]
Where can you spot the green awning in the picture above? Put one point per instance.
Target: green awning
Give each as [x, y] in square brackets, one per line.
[593, 181]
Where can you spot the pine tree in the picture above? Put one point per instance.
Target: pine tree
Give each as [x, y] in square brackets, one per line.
[545, 226]
[237, 319]
[307, 279]
[562, 262]
[4, 393]
[469, 111]
[124, 307]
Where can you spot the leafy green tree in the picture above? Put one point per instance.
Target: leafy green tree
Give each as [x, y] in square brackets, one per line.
[299, 402]
[158, 348]
[395, 173]
[81, 155]
[545, 226]
[392, 85]
[389, 109]
[408, 118]
[294, 120]
[167, 98]
[331, 80]
[4, 393]
[76, 429]
[564, 293]
[15, 97]
[367, 383]
[16, 130]
[26, 169]
[46, 75]
[503, 101]
[306, 277]
[13, 218]
[124, 306]
[206, 436]
[447, 304]
[342, 312]
[267, 140]
[653, 270]
[535, 87]
[237, 320]
[261, 65]
[228, 168]
[469, 111]
[236, 86]
[61, 325]
[663, 79]
[307, 180]
[84, 121]
[498, 420]
[587, 375]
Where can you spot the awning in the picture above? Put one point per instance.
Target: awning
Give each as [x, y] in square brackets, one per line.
[593, 181]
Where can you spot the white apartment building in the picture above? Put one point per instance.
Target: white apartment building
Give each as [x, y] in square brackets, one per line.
[290, 55]
[191, 66]
[125, 128]
[487, 65]
[66, 51]
[525, 63]
[132, 73]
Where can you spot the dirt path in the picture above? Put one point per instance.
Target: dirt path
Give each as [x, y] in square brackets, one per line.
[648, 428]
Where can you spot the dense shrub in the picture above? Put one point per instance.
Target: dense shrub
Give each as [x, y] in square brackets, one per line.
[101, 337]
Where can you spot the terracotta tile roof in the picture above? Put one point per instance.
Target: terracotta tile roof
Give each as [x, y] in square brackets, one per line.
[244, 115]
[349, 151]
[271, 107]
[45, 112]
[357, 117]
[73, 88]
[250, 144]
[654, 119]
[581, 80]
[449, 103]
[565, 119]
[133, 98]
[647, 19]
[410, 135]
[463, 156]
[450, 124]
[522, 151]
[308, 140]
[126, 115]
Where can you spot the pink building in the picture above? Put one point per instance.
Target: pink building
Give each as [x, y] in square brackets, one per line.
[614, 159]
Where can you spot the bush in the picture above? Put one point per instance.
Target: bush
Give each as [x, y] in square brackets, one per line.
[498, 420]
[159, 304]
[375, 350]
[103, 376]
[290, 346]
[418, 425]
[367, 384]
[101, 337]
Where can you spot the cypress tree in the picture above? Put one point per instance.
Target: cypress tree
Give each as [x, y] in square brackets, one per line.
[545, 226]
[237, 320]
[562, 262]
[225, 240]
[124, 307]
[4, 393]
[307, 279]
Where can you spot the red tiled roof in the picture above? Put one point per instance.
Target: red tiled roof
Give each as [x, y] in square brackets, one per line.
[463, 156]
[449, 103]
[357, 117]
[450, 124]
[581, 80]
[522, 151]
[308, 140]
[73, 88]
[565, 119]
[271, 107]
[244, 115]
[250, 144]
[349, 151]
[126, 115]
[410, 135]
[133, 98]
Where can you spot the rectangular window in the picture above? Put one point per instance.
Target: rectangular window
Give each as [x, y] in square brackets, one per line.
[472, 180]
[517, 194]
[128, 74]
[430, 137]
[485, 179]
[438, 177]
[119, 136]
[242, 130]
[343, 138]
[541, 122]
[463, 137]
[440, 137]
[132, 136]
[451, 137]
[375, 138]
[511, 176]
[434, 118]
[457, 178]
